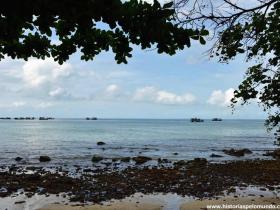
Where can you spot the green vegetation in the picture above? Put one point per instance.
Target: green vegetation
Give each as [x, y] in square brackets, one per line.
[252, 30]
[27, 28]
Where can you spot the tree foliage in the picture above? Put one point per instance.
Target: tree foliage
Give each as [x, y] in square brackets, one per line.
[252, 30]
[28, 27]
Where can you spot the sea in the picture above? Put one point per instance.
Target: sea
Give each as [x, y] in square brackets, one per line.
[74, 141]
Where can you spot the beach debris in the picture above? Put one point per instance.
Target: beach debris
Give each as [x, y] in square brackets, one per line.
[237, 152]
[215, 156]
[44, 158]
[96, 158]
[18, 159]
[141, 159]
[100, 143]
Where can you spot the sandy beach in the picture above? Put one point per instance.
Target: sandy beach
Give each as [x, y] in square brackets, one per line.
[202, 204]
[117, 206]
[188, 205]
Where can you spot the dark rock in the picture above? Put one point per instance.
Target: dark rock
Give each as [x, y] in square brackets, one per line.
[19, 202]
[163, 160]
[215, 155]
[100, 143]
[86, 170]
[275, 154]
[231, 190]
[237, 153]
[199, 161]
[197, 178]
[271, 188]
[18, 159]
[44, 158]
[29, 194]
[247, 151]
[96, 158]
[125, 159]
[141, 159]
[180, 163]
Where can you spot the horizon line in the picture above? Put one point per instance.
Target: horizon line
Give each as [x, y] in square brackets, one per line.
[138, 118]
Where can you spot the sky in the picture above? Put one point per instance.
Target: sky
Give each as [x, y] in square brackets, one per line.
[188, 84]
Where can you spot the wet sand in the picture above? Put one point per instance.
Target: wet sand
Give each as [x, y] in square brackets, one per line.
[202, 204]
[162, 187]
[187, 205]
[115, 206]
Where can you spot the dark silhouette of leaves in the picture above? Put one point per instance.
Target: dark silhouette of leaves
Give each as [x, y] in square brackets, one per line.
[253, 31]
[27, 28]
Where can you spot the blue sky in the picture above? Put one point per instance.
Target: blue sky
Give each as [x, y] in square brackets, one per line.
[185, 85]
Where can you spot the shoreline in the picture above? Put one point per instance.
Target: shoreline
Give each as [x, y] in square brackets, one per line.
[141, 201]
[185, 205]
[196, 178]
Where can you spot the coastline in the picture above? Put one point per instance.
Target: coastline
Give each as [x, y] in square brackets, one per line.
[192, 180]
[97, 172]
[186, 205]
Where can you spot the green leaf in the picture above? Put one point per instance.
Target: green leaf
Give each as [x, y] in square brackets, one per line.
[202, 41]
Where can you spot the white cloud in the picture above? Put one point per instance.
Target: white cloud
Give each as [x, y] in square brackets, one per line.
[18, 103]
[38, 72]
[145, 94]
[60, 93]
[44, 105]
[171, 98]
[56, 92]
[152, 94]
[112, 89]
[110, 92]
[220, 98]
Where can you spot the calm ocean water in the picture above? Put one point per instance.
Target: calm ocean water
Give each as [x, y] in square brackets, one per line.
[74, 141]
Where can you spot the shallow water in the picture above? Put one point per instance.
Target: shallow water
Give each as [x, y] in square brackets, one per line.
[168, 201]
[73, 141]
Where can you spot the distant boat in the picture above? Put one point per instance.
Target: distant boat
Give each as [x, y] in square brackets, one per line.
[46, 118]
[196, 120]
[21, 118]
[30, 118]
[216, 119]
[5, 118]
[91, 118]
